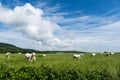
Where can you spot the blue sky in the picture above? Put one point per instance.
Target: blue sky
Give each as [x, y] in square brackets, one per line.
[83, 25]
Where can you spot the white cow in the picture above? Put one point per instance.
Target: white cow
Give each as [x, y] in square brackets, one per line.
[19, 53]
[107, 53]
[30, 56]
[93, 54]
[43, 55]
[7, 54]
[112, 53]
[77, 56]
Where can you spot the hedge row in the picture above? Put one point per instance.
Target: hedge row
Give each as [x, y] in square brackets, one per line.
[48, 73]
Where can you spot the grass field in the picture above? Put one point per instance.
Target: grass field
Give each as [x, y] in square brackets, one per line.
[62, 61]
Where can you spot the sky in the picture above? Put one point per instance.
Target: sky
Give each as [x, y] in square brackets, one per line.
[80, 25]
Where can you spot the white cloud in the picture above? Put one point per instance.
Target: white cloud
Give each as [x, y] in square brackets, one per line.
[29, 20]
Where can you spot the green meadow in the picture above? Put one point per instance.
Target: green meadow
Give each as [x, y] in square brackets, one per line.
[62, 66]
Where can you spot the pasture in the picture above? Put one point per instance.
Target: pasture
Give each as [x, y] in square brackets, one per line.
[66, 62]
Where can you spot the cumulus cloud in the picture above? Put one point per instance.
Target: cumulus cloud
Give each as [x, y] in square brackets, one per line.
[30, 21]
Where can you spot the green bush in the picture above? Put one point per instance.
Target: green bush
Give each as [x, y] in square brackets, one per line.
[50, 73]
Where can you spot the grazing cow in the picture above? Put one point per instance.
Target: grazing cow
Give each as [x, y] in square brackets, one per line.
[30, 57]
[19, 53]
[93, 54]
[77, 56]
[112, 53]
[43, 55]
[107, 53]
[7, 54]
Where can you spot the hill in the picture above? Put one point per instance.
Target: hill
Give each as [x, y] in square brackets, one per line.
[5, 47]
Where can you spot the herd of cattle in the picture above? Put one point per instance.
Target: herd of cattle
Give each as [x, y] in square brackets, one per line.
[79, 56]
[31, 56]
